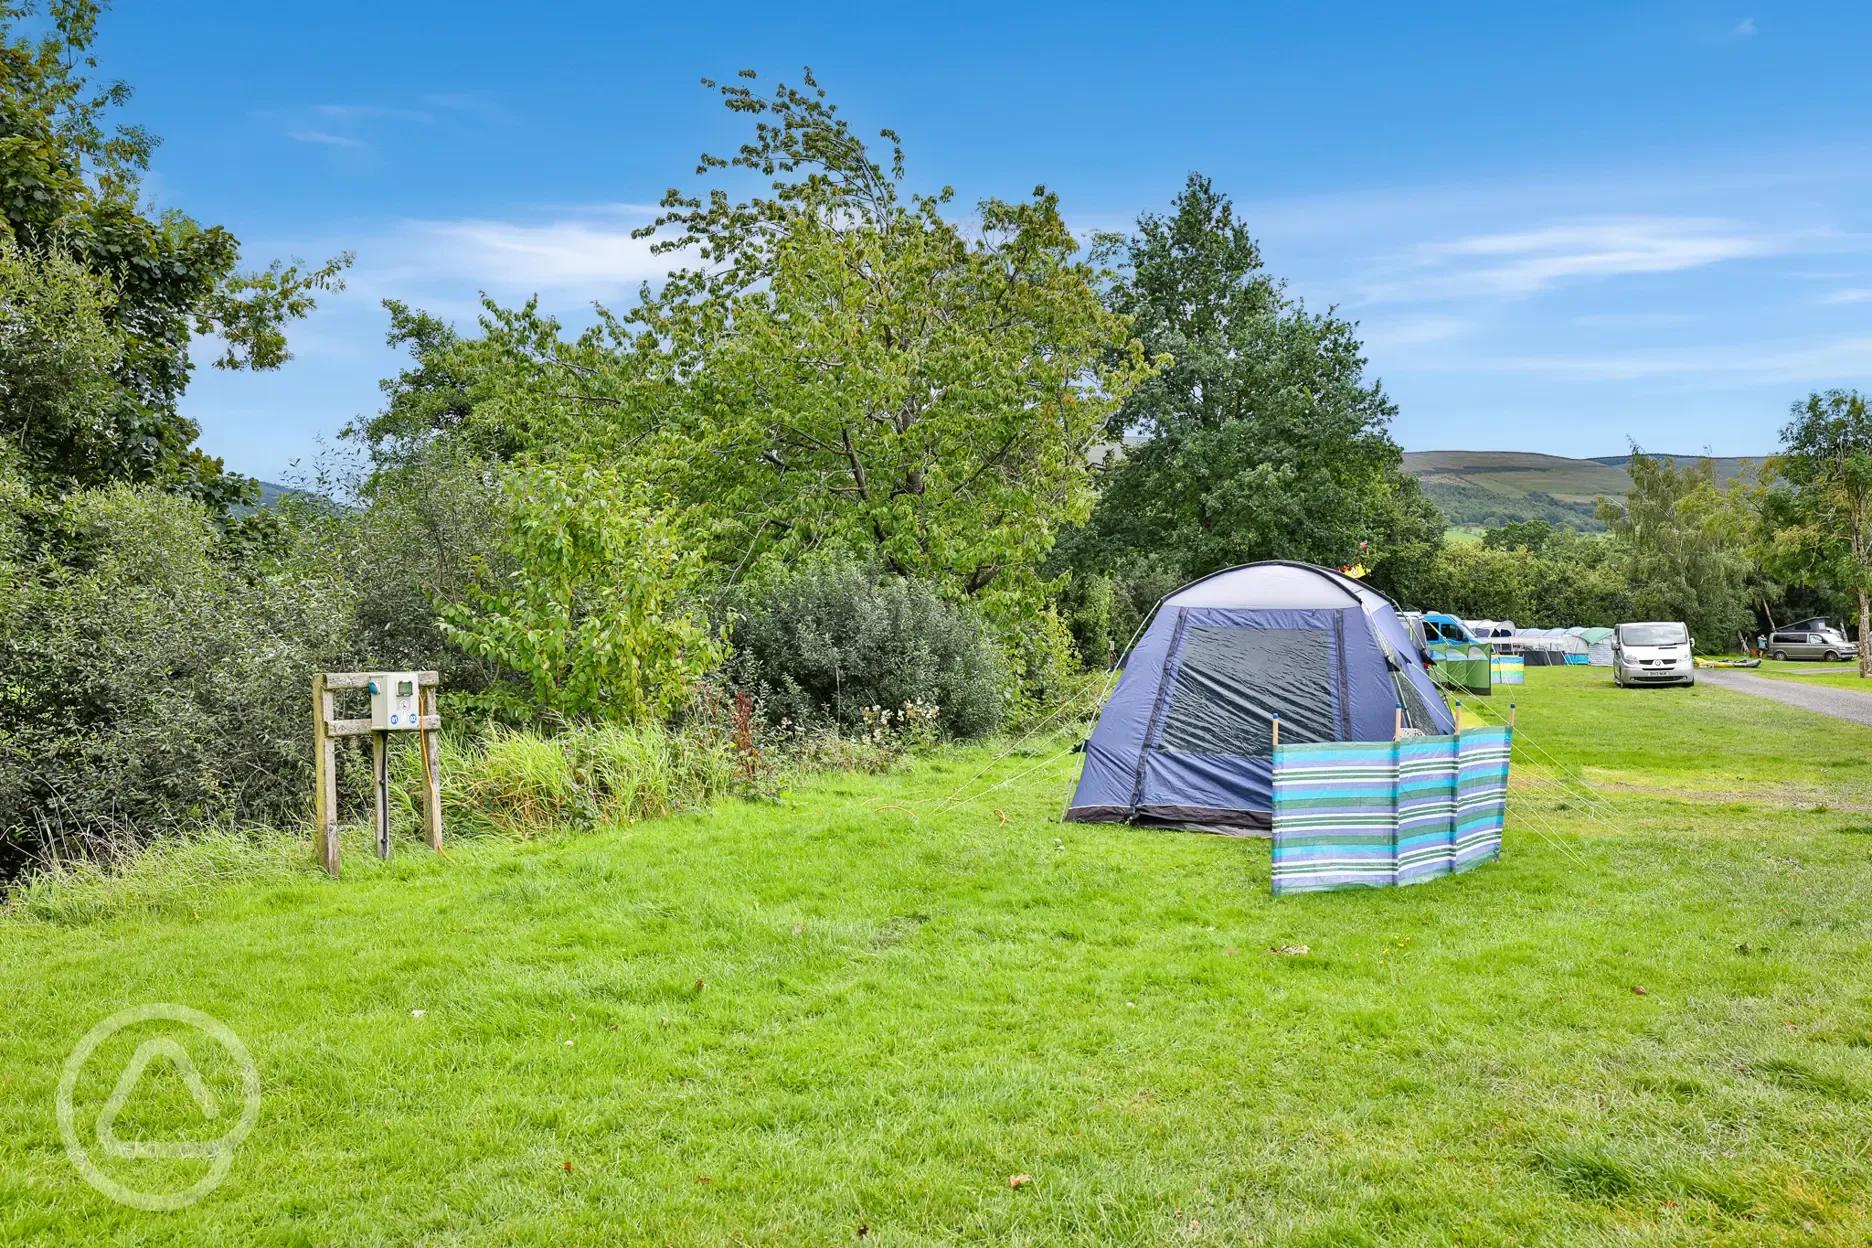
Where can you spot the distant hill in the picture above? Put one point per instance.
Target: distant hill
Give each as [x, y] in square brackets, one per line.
[1477, 489]
[271, 495]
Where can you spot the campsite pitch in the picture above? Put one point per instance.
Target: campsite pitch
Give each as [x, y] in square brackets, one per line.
[863, 1016]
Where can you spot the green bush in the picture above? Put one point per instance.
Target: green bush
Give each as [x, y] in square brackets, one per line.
[592, 615]
[152, 680]
[833, 641]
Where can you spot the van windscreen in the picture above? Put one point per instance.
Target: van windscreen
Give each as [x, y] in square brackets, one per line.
[1652, 634]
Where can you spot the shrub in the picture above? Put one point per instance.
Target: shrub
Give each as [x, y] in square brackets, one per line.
[427, 533]
[151, 680]
[834, 640]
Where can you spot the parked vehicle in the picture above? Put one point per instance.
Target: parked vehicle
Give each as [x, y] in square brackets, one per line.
[1441, 626]
[1811, 641]
[1432, 629]
[1655, 652]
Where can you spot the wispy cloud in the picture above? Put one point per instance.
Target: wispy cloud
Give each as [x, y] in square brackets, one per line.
[573, 258]
[1854, 295]
[1525, 262]
[357, 125]
[1744, 28]
[1390, 333]
[484, 105]
[1803, 361]
[325, 138]
[1632, 320]
[371, 112]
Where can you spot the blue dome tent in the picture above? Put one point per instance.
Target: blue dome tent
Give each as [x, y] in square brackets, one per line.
[1186, 740]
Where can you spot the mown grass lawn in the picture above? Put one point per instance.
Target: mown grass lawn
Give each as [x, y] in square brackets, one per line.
[853, 1016]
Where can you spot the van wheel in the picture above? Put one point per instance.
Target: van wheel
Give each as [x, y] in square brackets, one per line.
[1832, 656]
[1780, 656]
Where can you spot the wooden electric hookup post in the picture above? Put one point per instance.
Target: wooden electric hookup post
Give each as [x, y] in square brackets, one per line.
[400, 702]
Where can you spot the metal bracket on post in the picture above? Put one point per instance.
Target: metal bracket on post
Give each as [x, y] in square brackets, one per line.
[380, 789]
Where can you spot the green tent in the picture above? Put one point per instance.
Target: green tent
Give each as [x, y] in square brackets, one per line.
[1461, 666]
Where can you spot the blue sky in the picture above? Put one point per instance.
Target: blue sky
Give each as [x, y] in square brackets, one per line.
[1559, 226]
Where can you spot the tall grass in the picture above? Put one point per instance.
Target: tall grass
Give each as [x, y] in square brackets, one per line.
[519, 782]
[168, 875]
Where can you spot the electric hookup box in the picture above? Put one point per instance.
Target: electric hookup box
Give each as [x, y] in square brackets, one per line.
[395, 702]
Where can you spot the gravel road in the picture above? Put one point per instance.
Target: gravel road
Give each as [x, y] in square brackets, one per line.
[1839, 703]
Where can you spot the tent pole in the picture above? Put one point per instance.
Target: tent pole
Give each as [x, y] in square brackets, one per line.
[1397, 726]
[1277, 730]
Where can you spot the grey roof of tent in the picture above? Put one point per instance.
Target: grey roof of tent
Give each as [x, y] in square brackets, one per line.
[1271, 586]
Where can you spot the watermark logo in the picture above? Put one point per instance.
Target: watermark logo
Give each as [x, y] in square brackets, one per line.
[218, 1153]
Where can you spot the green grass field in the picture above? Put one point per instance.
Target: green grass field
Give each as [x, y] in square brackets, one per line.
[853, 1016]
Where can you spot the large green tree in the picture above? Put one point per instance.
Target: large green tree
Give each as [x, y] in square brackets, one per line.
[1819, 511]
[841, 365]
[1263, 438]
[1687, 540]
[71, 198]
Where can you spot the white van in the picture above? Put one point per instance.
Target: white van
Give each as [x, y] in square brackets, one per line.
[1652, 653]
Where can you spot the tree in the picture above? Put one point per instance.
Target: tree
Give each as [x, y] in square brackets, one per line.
[59, 355]
[1261, 437]
[434, 399]
[843, 368]
[1686, 540]
[1820, 516]
[70, 188]
[1531, 535]
[590, 614]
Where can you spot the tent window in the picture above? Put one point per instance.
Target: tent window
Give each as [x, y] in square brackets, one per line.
[1416, 710]
[1232, 681]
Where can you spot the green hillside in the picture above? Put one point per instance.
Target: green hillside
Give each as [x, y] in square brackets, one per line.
[1484, 488]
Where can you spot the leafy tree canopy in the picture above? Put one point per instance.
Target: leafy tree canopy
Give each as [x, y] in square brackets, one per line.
[148, 281]
[1532, 535]
[842, 366]
[1818, 512]
[1687, 543]
[1261, 438]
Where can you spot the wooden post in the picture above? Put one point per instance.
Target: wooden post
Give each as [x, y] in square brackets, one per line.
[380, 771]
[429, 741]
[1397, 724]
[324, 777]
[1511, 715]
[1277, 730]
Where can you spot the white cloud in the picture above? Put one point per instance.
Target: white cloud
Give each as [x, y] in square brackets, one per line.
[1526, 262]
[1384, 334]
[1745, 27]
[1853, 295]
[572, 258]
[370, 112]
[325, 138]
[1802, 362]
[1632, 320]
